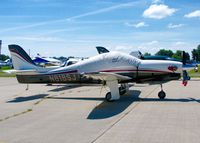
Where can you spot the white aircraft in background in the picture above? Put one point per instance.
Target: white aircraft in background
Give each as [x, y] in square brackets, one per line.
[110, 68]
[138, 54]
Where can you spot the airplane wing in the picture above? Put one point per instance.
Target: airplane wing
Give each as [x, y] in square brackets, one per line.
[106, 76]
[9, 71]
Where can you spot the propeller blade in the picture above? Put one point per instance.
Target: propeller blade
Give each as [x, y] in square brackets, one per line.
[184, 58]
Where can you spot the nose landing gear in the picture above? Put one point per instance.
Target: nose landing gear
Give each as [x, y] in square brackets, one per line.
[161, 94]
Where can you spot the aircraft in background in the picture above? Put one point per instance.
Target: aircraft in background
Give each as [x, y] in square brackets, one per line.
[110, 69]
[7, 62]
[44, 61]
[137, 54]
[102, 50]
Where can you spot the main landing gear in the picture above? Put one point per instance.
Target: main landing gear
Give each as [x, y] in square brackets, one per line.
[109, 97]
[161, 94]
[115, 92]
[123, 88]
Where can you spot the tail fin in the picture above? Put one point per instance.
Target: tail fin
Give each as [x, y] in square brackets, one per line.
[102, 50]
[21, 60]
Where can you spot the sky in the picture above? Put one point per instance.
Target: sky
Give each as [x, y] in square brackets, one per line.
[76, 27]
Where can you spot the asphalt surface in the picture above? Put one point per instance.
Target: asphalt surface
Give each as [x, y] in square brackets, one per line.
[79, 114]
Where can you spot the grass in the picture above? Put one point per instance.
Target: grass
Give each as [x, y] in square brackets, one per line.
[192, 73]
[4, 74]
[5, 68]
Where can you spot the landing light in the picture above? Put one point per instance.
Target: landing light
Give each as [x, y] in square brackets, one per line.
[172, 68]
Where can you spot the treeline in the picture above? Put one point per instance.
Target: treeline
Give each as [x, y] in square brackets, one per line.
[4, 57]
[196, 54]
[169, 53]
[178, 54]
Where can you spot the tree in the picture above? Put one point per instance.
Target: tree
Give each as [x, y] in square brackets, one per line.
[187, 56]
[62, 58]
[4, 57]
[147, 54]
[196, 54]
[164, 52]
[178, 55]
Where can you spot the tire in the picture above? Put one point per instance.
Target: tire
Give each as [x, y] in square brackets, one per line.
[161, 95]
[108, 97]
[122, 91]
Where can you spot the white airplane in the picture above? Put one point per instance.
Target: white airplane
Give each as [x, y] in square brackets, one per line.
[110, 69]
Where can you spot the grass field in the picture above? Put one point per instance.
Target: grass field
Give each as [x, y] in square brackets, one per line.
[192, 73]
[4, 74]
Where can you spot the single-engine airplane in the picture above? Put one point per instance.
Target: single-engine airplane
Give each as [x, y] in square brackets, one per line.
[110, 69]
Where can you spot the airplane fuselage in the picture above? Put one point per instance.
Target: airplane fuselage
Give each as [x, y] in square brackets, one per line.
[113, 62]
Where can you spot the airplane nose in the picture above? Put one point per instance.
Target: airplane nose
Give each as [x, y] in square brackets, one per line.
[176, 67]
[172, 68]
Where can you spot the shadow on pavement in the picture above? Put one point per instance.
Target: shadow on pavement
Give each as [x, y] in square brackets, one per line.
[28, 98]
[64, 87]
[167, 100]
[77, 98]
[109, 109]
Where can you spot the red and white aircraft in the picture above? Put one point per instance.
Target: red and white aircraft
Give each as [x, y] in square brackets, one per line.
[111, 69]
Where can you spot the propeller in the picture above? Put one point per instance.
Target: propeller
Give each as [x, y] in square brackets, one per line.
[184, 58]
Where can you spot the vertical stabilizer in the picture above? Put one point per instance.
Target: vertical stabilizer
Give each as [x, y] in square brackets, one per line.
[21, 60]
[102, 50]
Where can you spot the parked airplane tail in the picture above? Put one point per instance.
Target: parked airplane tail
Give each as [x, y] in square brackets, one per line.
[101, 49]
[21, 60]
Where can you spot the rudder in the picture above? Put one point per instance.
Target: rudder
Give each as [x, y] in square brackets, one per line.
[21, 60]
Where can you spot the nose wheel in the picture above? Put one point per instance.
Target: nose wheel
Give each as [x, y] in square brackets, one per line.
[161, 94]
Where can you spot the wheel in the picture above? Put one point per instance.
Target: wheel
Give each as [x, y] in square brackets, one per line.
[122, 90]
[161, 94]
[108, 97]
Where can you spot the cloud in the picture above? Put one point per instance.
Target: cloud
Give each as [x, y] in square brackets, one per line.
[39, 39]
[158, 11]
[32, 0]
[138, 25]
[123, 48]
[69, 19]
[150, 47]
[179, 43]
[119, 6]
[156, 1]
[153, 42]
[193, 14]
[172, 26]
[59, 31]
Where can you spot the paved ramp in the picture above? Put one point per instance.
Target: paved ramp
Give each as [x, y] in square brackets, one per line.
[79, 114]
